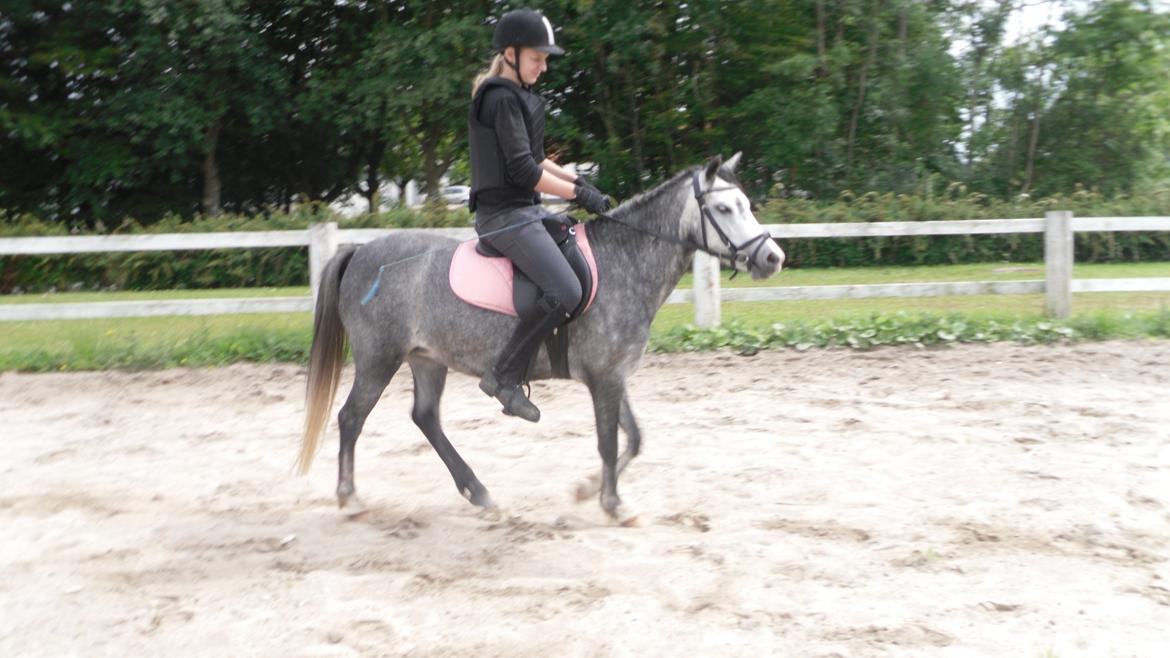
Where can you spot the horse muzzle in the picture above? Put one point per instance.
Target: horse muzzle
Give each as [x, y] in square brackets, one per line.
[767, 262]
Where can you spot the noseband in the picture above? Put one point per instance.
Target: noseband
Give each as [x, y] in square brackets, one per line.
[705, 217]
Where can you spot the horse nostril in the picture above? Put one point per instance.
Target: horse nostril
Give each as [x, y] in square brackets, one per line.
[773, 259]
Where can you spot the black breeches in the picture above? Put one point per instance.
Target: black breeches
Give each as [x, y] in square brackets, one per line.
[532, 249]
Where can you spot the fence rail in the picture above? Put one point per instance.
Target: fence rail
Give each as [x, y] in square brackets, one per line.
[323, 240]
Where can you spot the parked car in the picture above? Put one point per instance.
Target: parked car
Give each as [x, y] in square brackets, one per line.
[456, 195]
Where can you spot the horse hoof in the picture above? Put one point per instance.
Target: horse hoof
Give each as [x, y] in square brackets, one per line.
[352, 507]
[625, 518]
[478, 497]
[492, 514]
[484, 501]
[588, 489]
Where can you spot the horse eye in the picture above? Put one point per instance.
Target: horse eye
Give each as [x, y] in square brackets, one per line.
[722, 208]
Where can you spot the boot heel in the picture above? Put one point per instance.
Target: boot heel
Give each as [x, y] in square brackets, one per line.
[517, 404]
[512, 398]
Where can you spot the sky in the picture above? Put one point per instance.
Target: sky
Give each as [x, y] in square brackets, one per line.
[1031, 15]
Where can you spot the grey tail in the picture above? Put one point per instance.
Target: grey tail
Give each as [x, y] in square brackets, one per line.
[326, 358]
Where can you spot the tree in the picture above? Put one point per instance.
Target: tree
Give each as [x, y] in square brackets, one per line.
[1083, 106]
[59, 71]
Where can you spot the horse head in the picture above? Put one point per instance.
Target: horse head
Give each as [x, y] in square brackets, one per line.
[723, 224]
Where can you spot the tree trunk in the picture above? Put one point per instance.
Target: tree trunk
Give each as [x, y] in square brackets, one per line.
[822, 57]
[212, 186]
[432, 167]
[842, 16]
[1015, 138]
[607, 113]
[1034, 129]
[1033, 141]
[635, 127]
[870, 60]
[431, 133]
[373, 183]
[897, 125]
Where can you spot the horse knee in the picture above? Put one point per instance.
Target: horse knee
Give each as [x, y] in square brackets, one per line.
[350, 422]
[634, 446]
[423, 418]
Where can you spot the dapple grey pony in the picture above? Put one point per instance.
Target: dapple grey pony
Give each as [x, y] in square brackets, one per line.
[642, 249]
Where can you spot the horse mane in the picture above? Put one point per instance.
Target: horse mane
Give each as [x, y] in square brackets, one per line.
[640, 201]
[643, 199]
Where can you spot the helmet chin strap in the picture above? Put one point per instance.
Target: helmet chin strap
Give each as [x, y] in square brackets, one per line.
[516, 66]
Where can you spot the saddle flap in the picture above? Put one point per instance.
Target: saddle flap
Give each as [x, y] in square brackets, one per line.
[481, 281]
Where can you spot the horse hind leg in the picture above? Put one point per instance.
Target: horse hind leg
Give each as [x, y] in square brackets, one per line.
[430, 378]
[592, 485]
[370, 380]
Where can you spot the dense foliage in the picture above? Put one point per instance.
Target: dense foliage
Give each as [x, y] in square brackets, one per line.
[154, 109]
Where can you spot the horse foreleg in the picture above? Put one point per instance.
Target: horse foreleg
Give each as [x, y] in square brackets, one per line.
[592, 485]
[607, 401]
[430, 378]
[368, 384]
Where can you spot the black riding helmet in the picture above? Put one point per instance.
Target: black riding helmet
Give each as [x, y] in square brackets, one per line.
[525, 28]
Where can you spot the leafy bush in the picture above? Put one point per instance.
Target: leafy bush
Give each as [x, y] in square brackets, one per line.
[906, 329]
[289, 267]
[954, 204]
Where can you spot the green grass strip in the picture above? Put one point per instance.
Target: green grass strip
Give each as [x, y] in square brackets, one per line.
[76, 346]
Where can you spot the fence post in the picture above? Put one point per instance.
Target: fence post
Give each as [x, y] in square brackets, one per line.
[322, 247]
[1058, 263]
[706, 289]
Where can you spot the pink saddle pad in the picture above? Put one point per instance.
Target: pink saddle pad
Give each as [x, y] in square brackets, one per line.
[486, 282]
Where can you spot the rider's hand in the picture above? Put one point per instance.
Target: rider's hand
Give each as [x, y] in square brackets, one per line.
[585, 182]
[590, 198]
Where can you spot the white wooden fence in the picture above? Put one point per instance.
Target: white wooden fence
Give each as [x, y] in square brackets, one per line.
[324, 239]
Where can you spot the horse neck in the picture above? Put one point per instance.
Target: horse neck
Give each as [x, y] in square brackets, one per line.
[638, 269]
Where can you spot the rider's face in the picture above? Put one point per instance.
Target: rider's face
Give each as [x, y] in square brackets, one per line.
[533, 64]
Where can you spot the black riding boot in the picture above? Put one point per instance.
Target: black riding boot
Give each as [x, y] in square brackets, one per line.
[503, 380]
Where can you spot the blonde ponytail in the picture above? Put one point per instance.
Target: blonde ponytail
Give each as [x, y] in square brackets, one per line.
[493, 69]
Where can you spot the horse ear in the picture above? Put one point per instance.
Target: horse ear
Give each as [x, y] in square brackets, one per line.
[713, 168]
[733, 162]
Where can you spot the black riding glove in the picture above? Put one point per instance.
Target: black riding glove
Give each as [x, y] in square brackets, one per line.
[585, 182]
[591, 199]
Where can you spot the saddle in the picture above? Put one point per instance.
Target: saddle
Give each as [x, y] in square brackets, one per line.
[483, 277]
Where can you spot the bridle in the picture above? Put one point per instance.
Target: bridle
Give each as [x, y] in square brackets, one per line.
[706, 217]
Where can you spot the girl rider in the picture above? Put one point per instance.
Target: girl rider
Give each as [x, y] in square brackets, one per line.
[508, 173]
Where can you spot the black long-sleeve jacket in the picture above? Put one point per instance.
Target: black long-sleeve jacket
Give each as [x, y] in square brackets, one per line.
[507, 146]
